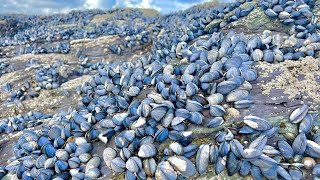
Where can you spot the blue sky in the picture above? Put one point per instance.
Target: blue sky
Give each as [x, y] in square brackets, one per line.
[58, 6]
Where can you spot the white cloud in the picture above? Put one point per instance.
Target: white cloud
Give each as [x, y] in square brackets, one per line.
[163, 6]
[91, 4]
[57, 6]
[185, 5]
[137, 4]
[65, 10]
[182, 6]
[13, 2]
[148, 4]
[46, 11]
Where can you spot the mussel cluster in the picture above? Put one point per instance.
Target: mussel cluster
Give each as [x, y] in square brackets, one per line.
[62, 48]
[240, 12]
[49, 77]
[256, 148]
[296, 14]
[21, 122]
[188, 25]
[34, 28]
[272, 48]
[194, 93]
[134, 107]
[25, 91]
[136, 39]
[5, 67]
[63, 150]
[32, 31]
[130, 41]
[84, 64]
[116, 48]
[87, 67]
[46, 77]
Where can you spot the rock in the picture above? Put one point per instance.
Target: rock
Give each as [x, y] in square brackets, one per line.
[213, 24]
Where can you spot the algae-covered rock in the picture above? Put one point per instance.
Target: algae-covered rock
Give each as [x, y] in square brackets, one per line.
[258, 20]
[213, 24]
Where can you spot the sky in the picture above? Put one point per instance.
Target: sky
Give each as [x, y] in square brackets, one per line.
[63, 6]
